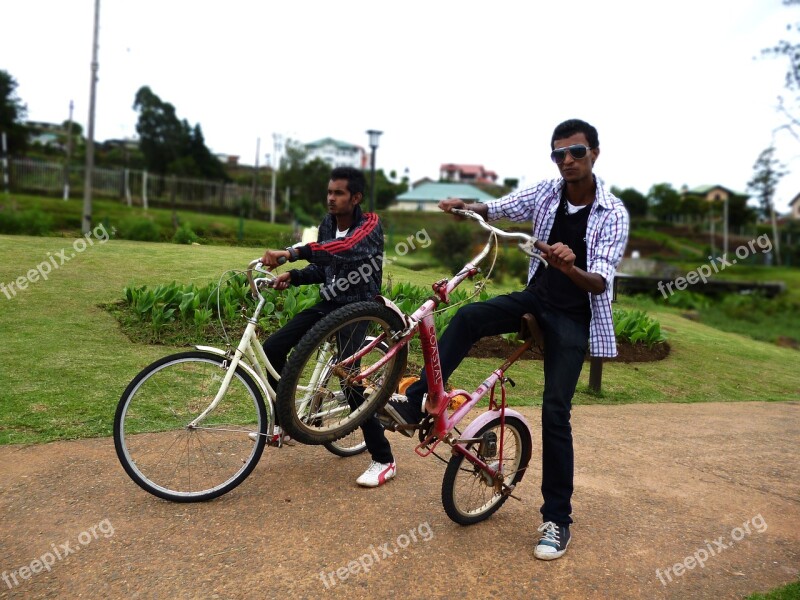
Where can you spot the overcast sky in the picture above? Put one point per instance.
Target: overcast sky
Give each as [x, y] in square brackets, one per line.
[675, 89]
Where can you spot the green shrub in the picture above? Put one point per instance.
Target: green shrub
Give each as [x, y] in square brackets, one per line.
[511, 264]
[689, 300]
[185, 235]
[27, 222]
[454, 243]
[139, 229]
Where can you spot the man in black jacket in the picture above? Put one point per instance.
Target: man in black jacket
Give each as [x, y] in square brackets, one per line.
[349, 242]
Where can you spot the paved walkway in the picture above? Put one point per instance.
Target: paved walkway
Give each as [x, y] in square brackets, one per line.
[656, 485]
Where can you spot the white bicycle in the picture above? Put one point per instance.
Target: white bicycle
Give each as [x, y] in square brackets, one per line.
[192, 426]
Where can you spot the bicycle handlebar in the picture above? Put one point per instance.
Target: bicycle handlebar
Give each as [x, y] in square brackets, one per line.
[257, 266]
[528, 243]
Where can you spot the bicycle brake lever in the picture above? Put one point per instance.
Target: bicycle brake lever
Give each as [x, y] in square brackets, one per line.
[529, 248]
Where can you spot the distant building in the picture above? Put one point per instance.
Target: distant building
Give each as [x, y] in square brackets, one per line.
[711, 193]
[46, 134]
[426, 195]
[466, 173]
[123, 143]
[794, 208]
[337, 153]
[228, 159]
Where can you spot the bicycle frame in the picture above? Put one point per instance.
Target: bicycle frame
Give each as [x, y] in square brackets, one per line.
[438, 400]
[257, 364]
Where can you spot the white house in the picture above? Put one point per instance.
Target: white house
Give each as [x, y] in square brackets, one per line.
[337, 153]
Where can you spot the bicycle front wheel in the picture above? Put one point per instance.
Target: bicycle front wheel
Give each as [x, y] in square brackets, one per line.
[174, 460]
[468, 493]
[323, 370]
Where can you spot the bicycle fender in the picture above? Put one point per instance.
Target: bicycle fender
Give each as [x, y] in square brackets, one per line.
[247, 369]
[473, 428]
[395, 309]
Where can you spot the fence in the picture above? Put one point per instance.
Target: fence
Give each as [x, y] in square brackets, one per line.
[135, 187]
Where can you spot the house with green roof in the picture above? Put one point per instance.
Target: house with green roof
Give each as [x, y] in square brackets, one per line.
[427, 195]
[337, 153]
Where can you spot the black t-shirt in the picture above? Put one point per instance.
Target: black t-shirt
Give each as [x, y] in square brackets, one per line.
[550, 285]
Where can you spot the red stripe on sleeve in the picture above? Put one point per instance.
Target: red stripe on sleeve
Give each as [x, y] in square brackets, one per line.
[341, 245]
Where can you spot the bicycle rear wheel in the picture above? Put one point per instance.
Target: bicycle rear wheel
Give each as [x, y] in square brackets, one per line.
[319, 373]
[168, 458]
[468, 494]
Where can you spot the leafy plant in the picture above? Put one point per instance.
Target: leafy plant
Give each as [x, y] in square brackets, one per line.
[636, 326]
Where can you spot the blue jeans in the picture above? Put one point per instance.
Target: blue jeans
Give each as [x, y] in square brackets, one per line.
[566, 342]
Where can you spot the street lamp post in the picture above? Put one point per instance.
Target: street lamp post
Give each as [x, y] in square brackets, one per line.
[374, 136]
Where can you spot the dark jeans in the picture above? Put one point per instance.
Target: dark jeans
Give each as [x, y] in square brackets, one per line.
[277, 348]
[566, 341]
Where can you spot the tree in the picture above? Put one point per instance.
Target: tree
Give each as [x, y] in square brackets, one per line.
[739, 214]
[12, 113]
[666, 202]
[791, 51]
[768, 171]
[634, 201]
[169, 145]
[695, 207]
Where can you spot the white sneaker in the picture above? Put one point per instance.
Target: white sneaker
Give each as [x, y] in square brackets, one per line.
[276, 435]
[377, 474]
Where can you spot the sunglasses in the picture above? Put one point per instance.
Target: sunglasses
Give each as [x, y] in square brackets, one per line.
[578, 151]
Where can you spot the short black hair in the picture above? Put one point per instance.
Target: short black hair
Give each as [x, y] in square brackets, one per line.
[573, 126]
[356, 182]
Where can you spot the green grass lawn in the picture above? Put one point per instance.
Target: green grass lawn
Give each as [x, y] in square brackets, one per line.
[66, 361]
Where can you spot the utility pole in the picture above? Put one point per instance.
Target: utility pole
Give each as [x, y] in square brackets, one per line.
[277, 140]
[725, 227]
[255, 178]
[87, 184]
[69, 152]
[776, 239]
[4, 146]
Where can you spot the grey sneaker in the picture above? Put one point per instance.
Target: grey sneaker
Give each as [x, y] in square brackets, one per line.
[554, 541]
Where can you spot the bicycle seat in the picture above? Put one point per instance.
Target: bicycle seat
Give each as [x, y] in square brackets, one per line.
[529, 328]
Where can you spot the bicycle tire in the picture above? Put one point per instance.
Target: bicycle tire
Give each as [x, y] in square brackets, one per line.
[353, 443]
[457, 502]
[171, 461]
[306, 410]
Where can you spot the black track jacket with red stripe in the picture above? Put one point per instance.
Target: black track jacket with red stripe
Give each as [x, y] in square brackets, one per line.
[349, 268]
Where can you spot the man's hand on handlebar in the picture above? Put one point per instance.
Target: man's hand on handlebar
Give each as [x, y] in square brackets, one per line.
[273, 258]
[456, 203]
[282, 281]
[561, 257]
[451, 203]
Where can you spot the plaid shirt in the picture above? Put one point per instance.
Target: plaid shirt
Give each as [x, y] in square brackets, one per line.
[606, 236]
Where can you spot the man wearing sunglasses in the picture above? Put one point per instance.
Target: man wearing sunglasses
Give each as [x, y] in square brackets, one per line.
[586, 228]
